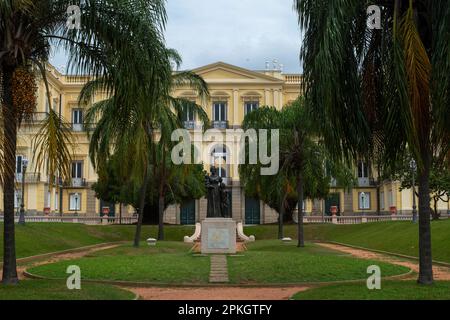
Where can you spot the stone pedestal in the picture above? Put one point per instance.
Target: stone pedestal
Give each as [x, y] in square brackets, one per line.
[218, 235]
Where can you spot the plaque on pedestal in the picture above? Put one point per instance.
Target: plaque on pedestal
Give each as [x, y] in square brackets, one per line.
[218, 235]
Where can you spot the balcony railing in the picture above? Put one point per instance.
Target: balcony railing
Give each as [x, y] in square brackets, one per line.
[366, 182]
[30, 177]
[219, 124]
[76, 183]
[192, 125]
[36, 117]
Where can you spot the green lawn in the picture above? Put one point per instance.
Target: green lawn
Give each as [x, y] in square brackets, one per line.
[398, 237]
[38, 238]
[57, 290]
[168, 262]
[266, 261]
[270, 261]
[390, 290]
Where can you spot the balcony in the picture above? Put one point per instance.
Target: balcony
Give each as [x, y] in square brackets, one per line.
[366, 182]
[76, 183]
[30, 177]
[219, 124]
[36, 117]
[192, 125]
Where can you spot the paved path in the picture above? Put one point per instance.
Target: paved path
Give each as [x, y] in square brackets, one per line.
[217, 293]
[219, 269]
[439, 272]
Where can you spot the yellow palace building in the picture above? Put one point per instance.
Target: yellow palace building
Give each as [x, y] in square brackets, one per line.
[234, 91]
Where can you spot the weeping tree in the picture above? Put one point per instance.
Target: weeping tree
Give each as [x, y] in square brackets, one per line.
[172, 184]
[395, 77]
[28, 30]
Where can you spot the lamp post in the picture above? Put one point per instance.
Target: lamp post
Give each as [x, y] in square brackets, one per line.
[76, 203]
[413, 166]
[22, 202]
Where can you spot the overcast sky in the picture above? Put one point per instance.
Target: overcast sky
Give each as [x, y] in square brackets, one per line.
[245, 33]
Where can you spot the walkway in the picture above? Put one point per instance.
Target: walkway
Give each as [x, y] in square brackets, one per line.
[219, 269]
[440, 273]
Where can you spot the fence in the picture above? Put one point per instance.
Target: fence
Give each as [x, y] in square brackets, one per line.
[94, 220]
[358, 219]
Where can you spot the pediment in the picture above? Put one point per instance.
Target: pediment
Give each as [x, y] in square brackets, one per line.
[223, 72]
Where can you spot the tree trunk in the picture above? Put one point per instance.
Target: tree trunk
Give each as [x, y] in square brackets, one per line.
[281, 218]
[142, 196]
[300, 232]
[161, 217]
[425, 257]
[10, 140]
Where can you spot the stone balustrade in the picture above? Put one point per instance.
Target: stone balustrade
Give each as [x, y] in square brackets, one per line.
[90, 220]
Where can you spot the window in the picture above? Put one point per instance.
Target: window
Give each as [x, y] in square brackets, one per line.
[75, 202]
[48, 200]
[364, 200]
[56, 201]
[363, 170]
[391, 198]
[382, 200]
[17, 198]
[19, 165]
[219, 111]
[222, 172]
[77, 119]
[188, 114]
[77, 170]
[251, 106]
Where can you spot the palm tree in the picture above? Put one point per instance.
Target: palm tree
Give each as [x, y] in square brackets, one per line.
[128, 129]
[28, 29]
[396, 77]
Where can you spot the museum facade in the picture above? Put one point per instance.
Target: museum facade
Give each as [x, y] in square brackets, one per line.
[234, 92]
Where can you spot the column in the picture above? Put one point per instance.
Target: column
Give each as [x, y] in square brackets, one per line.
[276, 99]
[266, 97]
[236, 121]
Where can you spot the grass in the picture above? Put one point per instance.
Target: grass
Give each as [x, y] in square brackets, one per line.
[168, 262]
[397, 237]
[390, 290]
[275, 262]
[38, 238]
[57, 290]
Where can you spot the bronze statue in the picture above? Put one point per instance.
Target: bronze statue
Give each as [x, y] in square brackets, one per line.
[216, 195]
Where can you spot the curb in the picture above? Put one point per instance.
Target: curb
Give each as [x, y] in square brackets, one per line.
[74, 250]
[222, 285]
[438, 263]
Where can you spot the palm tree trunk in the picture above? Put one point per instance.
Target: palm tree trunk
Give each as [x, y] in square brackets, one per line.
[425, 257]
[10, 136]
[161, 217]
[300, 232]
[142, 197]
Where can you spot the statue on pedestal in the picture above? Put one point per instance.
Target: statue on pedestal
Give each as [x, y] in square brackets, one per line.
[217, 196]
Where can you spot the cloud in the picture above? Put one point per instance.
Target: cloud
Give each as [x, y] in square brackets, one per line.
[245, 33]
[241, 32]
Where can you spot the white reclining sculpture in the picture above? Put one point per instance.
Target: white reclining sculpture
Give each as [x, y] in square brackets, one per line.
[241, 235]
[196, 235]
